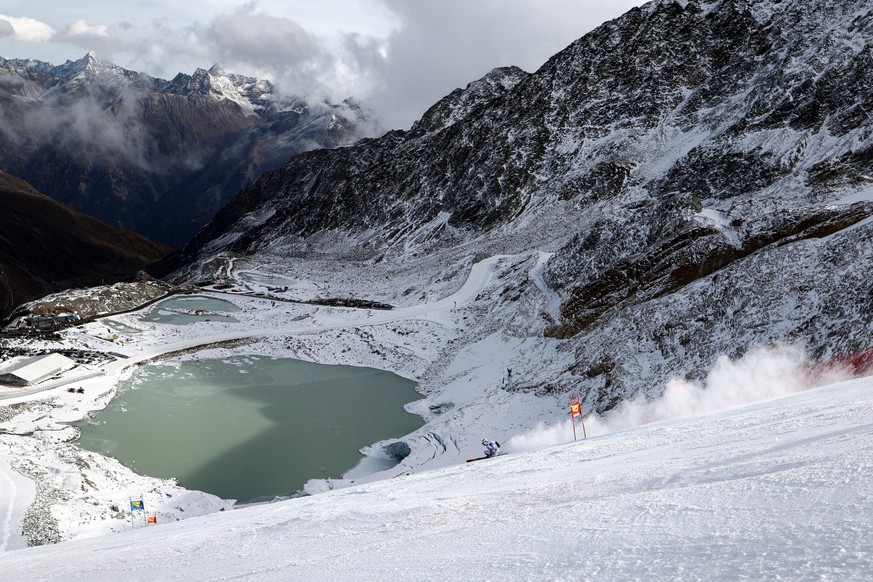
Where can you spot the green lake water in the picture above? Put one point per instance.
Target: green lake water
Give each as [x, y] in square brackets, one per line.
[250, 427]
[189, 309]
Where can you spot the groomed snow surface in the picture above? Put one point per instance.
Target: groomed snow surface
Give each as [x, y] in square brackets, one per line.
[779, 490]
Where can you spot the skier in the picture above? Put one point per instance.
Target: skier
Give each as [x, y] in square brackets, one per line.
[492, 448]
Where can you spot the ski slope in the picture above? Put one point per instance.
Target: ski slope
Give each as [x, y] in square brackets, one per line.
[778, 490]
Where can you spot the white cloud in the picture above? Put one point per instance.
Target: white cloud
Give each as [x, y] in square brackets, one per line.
[261, 40]
[29, 29]
[335, 49]
[82, 28]
[443, 45]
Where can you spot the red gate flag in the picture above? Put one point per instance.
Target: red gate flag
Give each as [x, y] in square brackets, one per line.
[153, 519]
[576, 409]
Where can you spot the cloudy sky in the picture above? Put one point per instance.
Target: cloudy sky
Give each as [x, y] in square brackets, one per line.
[396, 56]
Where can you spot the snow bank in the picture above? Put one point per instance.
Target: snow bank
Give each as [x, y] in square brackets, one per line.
[761, 374]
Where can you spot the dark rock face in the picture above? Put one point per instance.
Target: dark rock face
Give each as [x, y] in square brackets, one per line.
[46, 246]
[666, 158]
[160, 157]
[394, 183]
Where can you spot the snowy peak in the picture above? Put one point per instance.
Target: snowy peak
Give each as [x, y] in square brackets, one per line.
[89, 64]
[23, 65]
[246, 91]
[249, 93]
[91, 69]
[89, 76]
[92, 62]
[93, 74]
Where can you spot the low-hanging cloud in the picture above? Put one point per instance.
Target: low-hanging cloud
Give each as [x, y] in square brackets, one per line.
[6, 28]
[444, 45]
[262, 40]
[761, 374]
[246, 42]
[91, 127]
[430, 49]
[274, 47]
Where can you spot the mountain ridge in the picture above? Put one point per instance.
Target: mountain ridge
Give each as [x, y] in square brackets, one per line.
[160, 157]
[667, 155]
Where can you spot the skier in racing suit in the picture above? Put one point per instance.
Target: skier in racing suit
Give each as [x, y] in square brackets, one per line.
[491, 448]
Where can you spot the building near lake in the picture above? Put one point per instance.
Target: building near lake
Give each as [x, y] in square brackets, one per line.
[48, 320]
[35, 370]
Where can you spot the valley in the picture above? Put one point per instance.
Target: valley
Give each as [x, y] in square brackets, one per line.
[669, 220]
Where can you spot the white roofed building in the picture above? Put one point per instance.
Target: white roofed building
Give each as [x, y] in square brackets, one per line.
[34, 370]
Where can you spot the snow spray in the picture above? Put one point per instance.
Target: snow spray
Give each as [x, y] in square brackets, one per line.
[761, 374]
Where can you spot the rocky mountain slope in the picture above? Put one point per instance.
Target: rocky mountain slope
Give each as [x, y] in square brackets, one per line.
[46, 246]
[700, 174]
[160, 157]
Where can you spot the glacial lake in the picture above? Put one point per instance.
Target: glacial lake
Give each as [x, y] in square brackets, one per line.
[249, 427]
[189, 309]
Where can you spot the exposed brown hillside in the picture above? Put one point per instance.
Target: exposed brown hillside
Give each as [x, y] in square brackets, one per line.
[46, 246]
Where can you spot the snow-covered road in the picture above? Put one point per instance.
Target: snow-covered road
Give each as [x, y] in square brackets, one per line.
[780, 490]
[477, 279]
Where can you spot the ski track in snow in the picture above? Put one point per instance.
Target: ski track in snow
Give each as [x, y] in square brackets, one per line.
[17, 495]
[7, 503]
[776, 490]
[553, 300]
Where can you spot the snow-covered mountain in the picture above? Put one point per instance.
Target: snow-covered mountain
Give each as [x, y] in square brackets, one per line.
[160, 157]
[697, 173]
[249, 93]
[685, 183]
